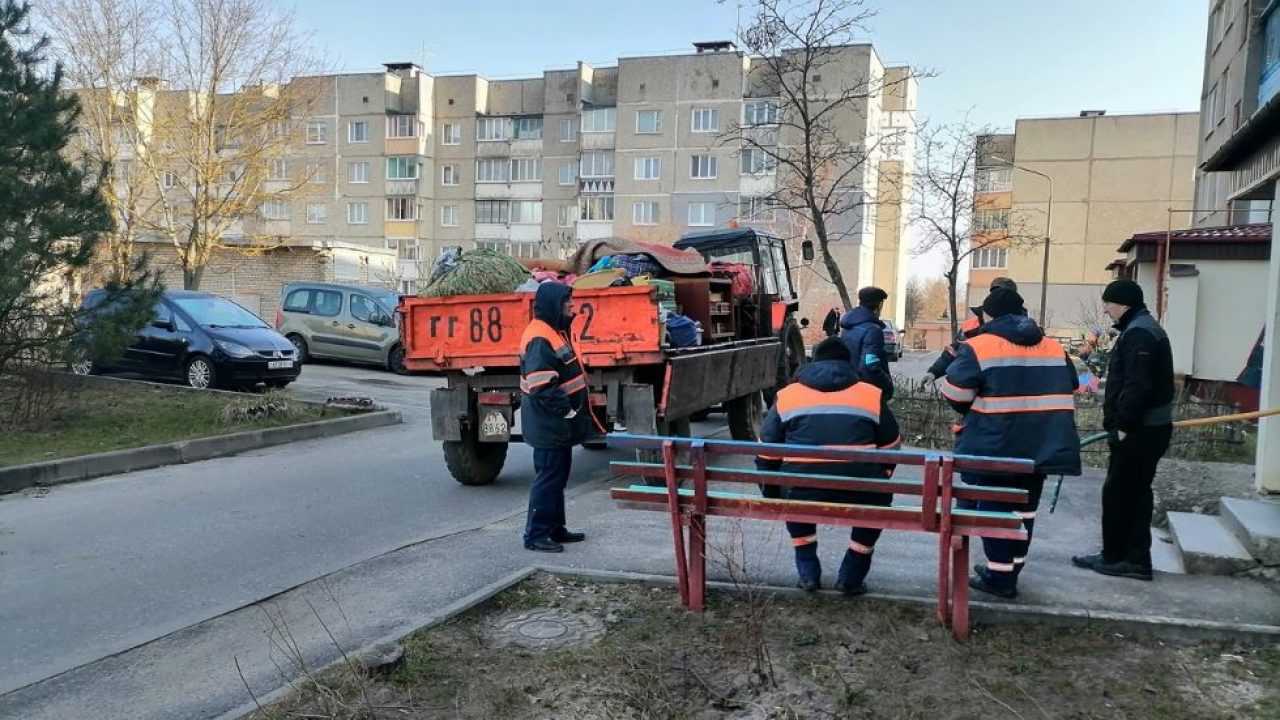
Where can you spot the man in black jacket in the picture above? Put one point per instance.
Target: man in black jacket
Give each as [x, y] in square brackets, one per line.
[1137, 414]
[862, 331]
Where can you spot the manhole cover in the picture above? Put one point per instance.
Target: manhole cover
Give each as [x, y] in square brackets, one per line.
[544, 629]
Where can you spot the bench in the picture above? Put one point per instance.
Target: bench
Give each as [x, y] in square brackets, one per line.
[684, 460]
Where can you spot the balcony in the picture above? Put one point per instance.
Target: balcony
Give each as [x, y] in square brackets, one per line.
[402, 187]
[595, 186]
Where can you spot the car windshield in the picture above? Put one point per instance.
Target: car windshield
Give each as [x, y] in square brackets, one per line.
[389, 300]
[215, 312]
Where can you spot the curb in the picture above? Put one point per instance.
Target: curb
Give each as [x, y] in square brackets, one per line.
[86, 467]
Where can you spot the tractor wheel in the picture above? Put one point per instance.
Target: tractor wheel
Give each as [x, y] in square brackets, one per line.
[472, 462]
[745, 416]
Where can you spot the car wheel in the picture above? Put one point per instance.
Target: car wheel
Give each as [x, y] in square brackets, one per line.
[300, 345]
[395, 360]
[200, 373]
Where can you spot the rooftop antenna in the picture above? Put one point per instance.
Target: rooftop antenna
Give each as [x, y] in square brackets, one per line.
[423, 54]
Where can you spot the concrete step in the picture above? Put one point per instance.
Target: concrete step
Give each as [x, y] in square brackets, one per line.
[1208, 547]
[1165, 557]
[1256, 523]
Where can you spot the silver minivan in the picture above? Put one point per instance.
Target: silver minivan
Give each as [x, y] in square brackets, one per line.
[342, 322]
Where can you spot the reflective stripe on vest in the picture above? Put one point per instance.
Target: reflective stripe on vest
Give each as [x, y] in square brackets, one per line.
[539, 329]
[993, 351]
[860, 400]
[955, 393]
[1024, 403]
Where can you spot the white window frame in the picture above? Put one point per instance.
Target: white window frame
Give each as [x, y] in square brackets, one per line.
[704, 167]
[526, 212]
[648, 168]
[657, 122]
[449, 175]
[275, 209]
[493, 171]
[516, 133]
[451, 134]
[989, 258]
[703, 221]
[603, 205]
[994, 179]
[526, 169]
[608, 160]
[169, 180]
[566, 215]
[317, 213]
[448, 216]
[645, 213]
[568, 174]
[703, 114]
[990, 220]
[569, 130]
[503, 215]
[358, 172]
[279, 170]
[317, 132]
[413, 162]
[410, 202]
[768, 165]
[600, 120]
[400, 127]
[751, 113]
[357, 213]
[353, 136]
[493, 129]
[753, 207]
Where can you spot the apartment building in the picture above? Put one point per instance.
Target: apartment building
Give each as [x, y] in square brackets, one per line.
[1239, 161]
[404, 163]
[1107, 177]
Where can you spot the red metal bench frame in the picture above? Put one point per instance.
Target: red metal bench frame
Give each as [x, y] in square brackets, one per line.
[689, 509]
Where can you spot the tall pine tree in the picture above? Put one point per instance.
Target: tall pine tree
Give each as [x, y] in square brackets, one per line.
[52, 214]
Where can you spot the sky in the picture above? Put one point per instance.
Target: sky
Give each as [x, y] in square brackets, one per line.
[996, 60]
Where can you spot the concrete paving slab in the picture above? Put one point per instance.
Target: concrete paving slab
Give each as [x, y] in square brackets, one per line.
[1256, 523]
[1208, 547]
[1165, 556]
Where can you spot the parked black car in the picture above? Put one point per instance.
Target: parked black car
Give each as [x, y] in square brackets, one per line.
[206, 341]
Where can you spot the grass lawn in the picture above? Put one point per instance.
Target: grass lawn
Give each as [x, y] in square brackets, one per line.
[640, 655]
[116, 417]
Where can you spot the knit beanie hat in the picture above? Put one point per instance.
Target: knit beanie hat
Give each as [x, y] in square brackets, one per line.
[833, 348]
[1123, 292]
[1002, 301]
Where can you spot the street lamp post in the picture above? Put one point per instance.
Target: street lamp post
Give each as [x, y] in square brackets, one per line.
[1048, 235]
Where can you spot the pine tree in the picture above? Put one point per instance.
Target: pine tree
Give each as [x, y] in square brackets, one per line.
[52, 214]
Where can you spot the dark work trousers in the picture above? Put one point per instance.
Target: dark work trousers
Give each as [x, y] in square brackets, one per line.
[862, 541]
[546, 496]
[1006, 558]
[1126, 494]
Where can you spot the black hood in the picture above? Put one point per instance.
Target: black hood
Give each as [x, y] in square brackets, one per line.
[548, 304]
[858, 316]
[1017, 329]
[827, 375]
[258, 339]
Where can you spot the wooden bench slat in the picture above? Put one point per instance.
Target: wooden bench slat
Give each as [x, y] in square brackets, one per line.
[829, 482]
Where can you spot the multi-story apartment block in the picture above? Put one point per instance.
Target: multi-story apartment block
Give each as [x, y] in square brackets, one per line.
[406, 163]
[1107, 177]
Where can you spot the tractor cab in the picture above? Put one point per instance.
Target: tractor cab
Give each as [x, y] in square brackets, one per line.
[774, 298]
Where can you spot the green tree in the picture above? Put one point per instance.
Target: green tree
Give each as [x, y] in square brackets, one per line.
[52, 217]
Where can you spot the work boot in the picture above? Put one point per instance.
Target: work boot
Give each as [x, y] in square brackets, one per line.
[1124, 569]
[544, 544]
[565, 536]
[809, 568]
[1087, 561]
[983, 582]
[853, 570]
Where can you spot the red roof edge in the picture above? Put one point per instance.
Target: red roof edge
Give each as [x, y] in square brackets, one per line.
[1248, 233]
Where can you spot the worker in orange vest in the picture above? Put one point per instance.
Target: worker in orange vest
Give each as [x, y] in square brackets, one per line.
[553, 416]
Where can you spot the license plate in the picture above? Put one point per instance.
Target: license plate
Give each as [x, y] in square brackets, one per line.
[493, 425]
[280, 364]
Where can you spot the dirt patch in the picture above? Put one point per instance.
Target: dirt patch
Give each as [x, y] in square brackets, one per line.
[820, 657]
[1187, 486]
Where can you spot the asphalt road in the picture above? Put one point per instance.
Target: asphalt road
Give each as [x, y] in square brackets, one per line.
[95, 568]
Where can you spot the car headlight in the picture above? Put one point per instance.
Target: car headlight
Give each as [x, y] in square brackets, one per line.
[236, 350]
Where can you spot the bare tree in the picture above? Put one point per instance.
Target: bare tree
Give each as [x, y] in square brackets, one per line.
[804, 51]
[914, 300]
[947, 163]
[197, 103]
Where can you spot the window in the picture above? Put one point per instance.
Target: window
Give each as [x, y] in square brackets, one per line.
[365, 308]
[597, 207]
[648, 122]
[493, 129]
[568, 131]
[358, 213]
[600, 120]
[1216, 26]
[402, 126]
[984, 220]
[528, 212]
[760, 112]
[703, 167]
[1269, 77]
[317, 213]
[451, 134]
[448, 174]
[568, 173]
[706, 120]
[449, 215]
[1220, 102]
[358, 172]
[317, 132]
[169, 180]
[402, 167]
[279, 170]
[493, 212]
[993, 180]
[317, 173]
[644, 213]
[298, 301]
[597, 164]
[648, 168]
[528, 128]
[526, 170]
[493, 170]
[527, 250]
[328, 303]
[757, 208]
[358, 131]
[275, 210]
[565, 215]
[1207, 113]
[756, 161]
[989, 258]
[702, 214]
[402, 208]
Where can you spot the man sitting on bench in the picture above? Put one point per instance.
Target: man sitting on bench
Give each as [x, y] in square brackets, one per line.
[827, 404]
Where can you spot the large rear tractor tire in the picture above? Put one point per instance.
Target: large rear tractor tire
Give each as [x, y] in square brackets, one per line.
[745, 417]
[472, 462]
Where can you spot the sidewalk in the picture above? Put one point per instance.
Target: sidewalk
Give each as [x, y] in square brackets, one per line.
[193, 673]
